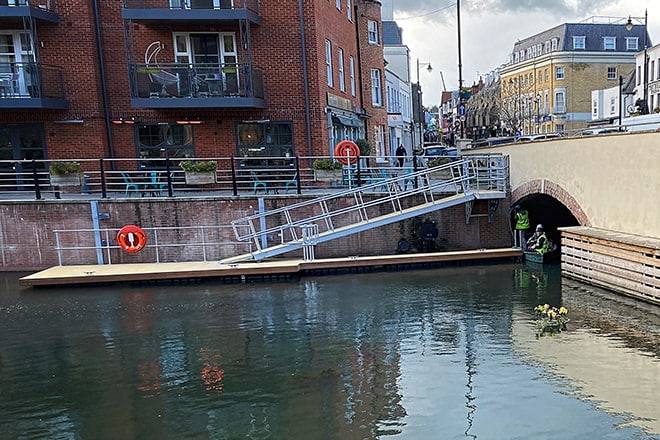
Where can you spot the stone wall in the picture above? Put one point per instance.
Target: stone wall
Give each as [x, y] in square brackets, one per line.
[28, 239]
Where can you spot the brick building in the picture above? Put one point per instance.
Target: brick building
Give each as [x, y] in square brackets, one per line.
[188, 78]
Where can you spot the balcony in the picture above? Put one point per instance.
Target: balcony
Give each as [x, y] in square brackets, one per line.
[32, 86]
[196, 86]
[218, 12]
[14, 11]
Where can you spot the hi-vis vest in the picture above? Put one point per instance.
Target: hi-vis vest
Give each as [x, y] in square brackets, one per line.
[522, 219]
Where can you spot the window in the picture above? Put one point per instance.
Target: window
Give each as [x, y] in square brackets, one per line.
[547, 72]
[540, 76]
[547, 47]
[609, 43]
[376, 92]
[579, 42]
[379, 141]
[349, 10]
[611, 73]
[555, 44]
[559, 72]
[160, 140]
[372, 28]
[560, 101]
[328, 62]
[539, 49]
[338, 4]
[522, 55]
[632, 43]
[613, 106]
[351, 72]
[342, 79]
[259, 141]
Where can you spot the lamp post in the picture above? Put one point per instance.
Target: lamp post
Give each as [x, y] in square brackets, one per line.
[538, 113]
[629, 27]
[419, 104]
[460, 62]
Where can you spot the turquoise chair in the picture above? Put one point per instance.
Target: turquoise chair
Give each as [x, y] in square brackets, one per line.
[258, 183]
[131, 186]
[155, 186]
[293, 182]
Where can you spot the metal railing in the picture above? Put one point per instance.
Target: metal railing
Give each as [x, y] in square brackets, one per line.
[164, 244]
[31, 80]
[392, 199]
[251, 5]
[171, 80]
[162, 177]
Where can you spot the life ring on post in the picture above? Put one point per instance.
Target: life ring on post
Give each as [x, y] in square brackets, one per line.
[347, 152]
[132, 238]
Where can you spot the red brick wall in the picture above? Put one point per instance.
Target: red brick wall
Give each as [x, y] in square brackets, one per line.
[276, 49]
[28, 241]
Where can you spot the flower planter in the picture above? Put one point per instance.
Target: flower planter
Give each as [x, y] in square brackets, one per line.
[199, 178]
[66, 179]
[441, 175]
[327, 175]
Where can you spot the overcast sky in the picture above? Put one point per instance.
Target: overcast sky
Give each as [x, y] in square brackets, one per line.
[489, 28]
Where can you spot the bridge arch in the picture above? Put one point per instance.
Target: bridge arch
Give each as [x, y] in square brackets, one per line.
[550, 205]
[537, 187]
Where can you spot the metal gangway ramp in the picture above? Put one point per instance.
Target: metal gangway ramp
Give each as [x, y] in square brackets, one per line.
[305, 224]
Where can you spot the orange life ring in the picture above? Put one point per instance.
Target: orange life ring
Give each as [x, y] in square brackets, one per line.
[131, 238]
[347, 152]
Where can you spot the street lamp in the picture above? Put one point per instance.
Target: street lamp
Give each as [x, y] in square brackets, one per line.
[538, 113]
[419, 103]
[629, 27]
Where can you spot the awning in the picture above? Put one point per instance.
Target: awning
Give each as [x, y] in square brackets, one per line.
[347, 121]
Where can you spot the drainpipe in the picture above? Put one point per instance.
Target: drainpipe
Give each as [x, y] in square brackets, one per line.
[104, 89]
[308, 125]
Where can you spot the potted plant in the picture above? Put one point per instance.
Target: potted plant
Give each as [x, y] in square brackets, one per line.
[364, 146]
[442, 174]
[199, 172]
[327, 169]
[63, 173]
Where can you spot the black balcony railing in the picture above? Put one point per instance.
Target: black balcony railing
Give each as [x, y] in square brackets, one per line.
[203, 81]
[250, 5]
[31, 85]
[46, 5]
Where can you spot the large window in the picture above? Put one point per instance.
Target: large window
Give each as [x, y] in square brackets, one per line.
[560, 101]
[611, 72]
[328, 62]
[264, 143]
[372, 27]
[342, 75]
[376, 88]
[155, 141]
[351, 71]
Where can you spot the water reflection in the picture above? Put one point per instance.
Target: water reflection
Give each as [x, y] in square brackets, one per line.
[406, 355]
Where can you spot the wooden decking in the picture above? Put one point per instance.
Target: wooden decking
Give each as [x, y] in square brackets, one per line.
[267, 269]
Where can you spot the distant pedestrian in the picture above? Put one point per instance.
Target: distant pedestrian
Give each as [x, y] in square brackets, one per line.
[401, 155]
[522, 225]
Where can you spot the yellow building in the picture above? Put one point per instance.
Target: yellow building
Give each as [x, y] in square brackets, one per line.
[546, 85]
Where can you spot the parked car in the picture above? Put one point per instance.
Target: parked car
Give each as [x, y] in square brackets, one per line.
[599, 130]
[493, 141]
[538, 137]
[431, 152]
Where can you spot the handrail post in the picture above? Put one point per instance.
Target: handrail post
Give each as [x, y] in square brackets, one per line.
[415, 169]
[358, 172]
[104, 189]
[35, 178]
[168, 174]
[297, 163]
[234, 186]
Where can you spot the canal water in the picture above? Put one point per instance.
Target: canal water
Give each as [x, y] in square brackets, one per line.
[448, 353]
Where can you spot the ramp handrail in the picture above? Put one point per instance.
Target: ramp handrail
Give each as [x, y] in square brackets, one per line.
[469, 175]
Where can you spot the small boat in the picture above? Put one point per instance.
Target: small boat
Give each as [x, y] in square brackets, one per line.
[549, 257]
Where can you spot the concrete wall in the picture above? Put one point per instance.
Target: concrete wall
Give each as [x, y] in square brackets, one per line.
[28, 241]
[609, 181]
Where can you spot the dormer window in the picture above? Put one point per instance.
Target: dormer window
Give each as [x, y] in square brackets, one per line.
[609, 43]
[579, 43]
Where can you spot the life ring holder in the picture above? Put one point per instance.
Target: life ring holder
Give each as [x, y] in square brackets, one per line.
[347, 152]
[132, 238]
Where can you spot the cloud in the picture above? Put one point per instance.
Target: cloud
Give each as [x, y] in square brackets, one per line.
[553, 7]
